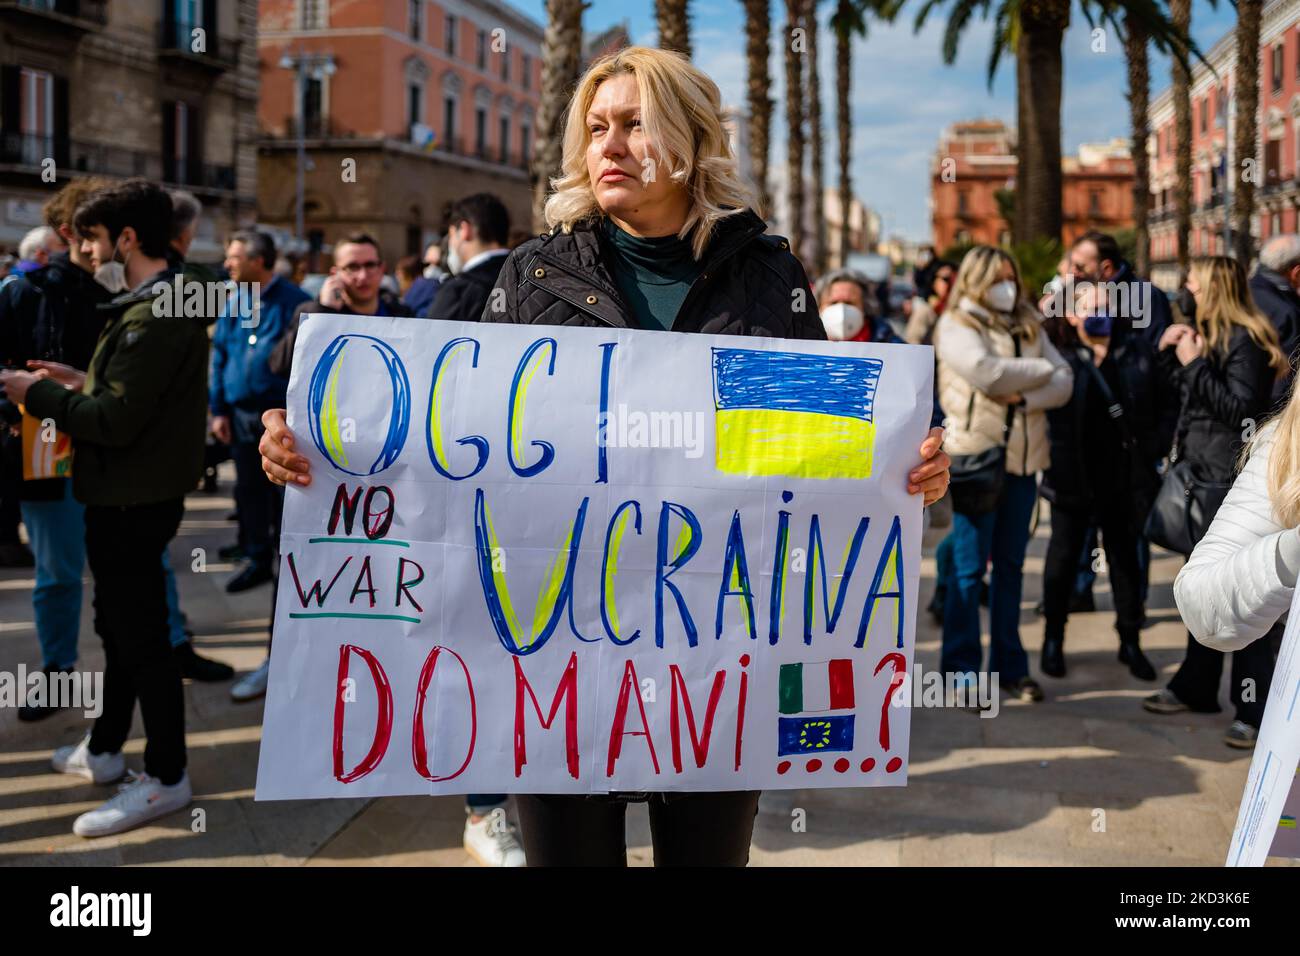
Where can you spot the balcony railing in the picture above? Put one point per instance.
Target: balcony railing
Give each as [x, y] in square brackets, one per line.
[101, 159]
[177, 39]
[456, 145]
[83, 14]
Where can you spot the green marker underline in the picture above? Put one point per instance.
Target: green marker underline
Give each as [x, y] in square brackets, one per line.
[357, 615]
[396, 544]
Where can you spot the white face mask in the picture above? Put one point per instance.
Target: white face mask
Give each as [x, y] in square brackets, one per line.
[1002, 296]
[112, 274]
[842, 321]
[454, 262]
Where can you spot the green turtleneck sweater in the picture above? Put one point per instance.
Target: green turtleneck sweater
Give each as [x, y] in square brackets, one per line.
[653, 274]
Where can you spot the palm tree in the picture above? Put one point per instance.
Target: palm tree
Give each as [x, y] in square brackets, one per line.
[1034, 30]
[1139, 83]
[815, 134]
[758, 27]
[848, 20]
[1181, 14]
[674, 28]
[1247, 104]
[794, 54]
[561, 64]
[1042, 25]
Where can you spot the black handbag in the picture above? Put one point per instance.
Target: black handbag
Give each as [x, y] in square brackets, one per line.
[975, 481]
[1185, 504]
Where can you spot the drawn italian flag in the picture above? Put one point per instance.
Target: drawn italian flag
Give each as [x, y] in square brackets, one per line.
[815, 686]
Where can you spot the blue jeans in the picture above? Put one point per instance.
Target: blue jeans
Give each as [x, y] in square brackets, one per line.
[175, 620]
[1003, 535]
[57, 530]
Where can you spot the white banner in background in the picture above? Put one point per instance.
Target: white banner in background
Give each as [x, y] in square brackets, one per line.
[541, 559]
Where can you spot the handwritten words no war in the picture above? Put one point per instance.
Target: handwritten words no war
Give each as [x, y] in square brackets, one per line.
[492, 586]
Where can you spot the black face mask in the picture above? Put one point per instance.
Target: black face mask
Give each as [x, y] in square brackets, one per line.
[1186, 304]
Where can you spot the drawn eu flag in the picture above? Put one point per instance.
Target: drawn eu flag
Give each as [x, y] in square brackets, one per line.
[814, 735]
[794, 414]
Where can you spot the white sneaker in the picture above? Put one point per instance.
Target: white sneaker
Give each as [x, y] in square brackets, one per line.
[493, 841]
[137, 802]
[97, 768]
[253, 685]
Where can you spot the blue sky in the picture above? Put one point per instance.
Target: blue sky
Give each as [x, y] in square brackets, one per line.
[904, 95]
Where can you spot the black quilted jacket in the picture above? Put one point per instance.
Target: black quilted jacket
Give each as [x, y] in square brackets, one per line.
[750, 285]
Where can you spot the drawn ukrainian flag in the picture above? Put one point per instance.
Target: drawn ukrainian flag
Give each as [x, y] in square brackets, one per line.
[794, 414]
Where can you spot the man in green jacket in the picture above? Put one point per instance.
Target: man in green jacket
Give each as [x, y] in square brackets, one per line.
[137, 419]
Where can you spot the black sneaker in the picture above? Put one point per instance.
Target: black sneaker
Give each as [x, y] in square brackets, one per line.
[250, 576]
[30, 713]
[202, 669]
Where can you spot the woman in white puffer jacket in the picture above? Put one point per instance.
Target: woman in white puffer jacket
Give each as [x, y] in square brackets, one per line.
[1239, 581]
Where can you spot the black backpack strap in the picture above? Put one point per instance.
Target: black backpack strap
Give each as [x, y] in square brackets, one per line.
[1113, 406]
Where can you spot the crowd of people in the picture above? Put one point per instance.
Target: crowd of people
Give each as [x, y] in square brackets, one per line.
[1098, 409]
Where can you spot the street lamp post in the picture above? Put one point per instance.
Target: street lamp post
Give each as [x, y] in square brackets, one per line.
[317, 66]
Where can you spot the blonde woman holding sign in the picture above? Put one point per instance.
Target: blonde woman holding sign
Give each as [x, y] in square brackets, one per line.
[651, 227]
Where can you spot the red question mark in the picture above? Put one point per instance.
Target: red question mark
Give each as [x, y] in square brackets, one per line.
[899, 663]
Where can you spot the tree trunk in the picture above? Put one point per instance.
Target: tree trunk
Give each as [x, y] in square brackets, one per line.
[561, 64]
[1180, 12]
[844, 124]
[674, 28]
[795, 51]
[815, 132]
[1139, 82]
[758, 28]
[1244, 147]
[1038, 120]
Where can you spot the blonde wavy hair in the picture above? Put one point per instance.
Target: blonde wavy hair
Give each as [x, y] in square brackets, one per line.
[1225, 302]
[980, 270]
[681, 114]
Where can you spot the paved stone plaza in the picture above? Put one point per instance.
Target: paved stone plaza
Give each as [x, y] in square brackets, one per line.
[1027, 787]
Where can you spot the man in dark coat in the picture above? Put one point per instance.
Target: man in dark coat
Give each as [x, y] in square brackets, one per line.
[1273, 286]
[478, 227]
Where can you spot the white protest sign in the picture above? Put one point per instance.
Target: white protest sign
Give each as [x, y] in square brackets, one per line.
[1266, 822]
[539, 559]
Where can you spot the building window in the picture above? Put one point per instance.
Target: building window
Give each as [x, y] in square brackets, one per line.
[1272, 162]
[1221, 108]
[414, 106]
[182, 150]
[505, 65]
[311, 14]
[524, 132]
[961, 203]
[313, 98]
[1277, 68]
[1094, 203]
[449, 121]
[505, 140]
[480, 49]
[36, 115]
[1205, 115]
[526, 70]
[480, 132]
[414, 11]
[451, 25]
[1275, 224]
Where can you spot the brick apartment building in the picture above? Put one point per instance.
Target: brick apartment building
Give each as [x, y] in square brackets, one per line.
[976, 159]
[155, 88]
[431, 100]
[1277, 196]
